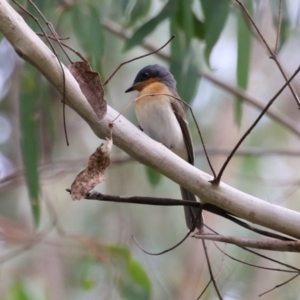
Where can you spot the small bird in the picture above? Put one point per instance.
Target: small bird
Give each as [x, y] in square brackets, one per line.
[163, 118]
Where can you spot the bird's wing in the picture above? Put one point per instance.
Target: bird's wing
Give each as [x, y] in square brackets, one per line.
[180, 115]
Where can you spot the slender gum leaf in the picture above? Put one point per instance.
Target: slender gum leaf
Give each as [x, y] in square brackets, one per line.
[139, 286]
[29, 139]
[169, 9]
[88, 29]
[215, 13]
[243, 60]
[185, 20]
[199, 28]
[285, 21]
[139, 11]
[182, 64]
[133, 283]
[121, 5]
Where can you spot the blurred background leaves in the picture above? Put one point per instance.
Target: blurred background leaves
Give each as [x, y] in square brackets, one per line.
[213, 38]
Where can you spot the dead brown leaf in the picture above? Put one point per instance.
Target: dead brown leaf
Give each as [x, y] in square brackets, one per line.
[87, 179]
[90, 85]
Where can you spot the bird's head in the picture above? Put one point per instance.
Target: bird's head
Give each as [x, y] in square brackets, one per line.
[151, 74]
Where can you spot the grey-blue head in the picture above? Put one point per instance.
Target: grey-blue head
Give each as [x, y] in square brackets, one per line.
[150, 74]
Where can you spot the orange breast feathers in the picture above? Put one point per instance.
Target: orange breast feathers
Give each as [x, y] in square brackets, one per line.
[151, 87]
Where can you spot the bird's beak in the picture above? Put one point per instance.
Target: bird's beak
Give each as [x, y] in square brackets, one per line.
[130, 89]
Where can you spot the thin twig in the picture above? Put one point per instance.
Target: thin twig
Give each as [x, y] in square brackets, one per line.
[271, 259]
[122, 111]
[206, 287]
[210, 270]
[64, 44]
[252, 265]
[164, 251]
[176, 245]
[266, 244]
[136, 58]
[218, 178]
[279, 285]
[273, 55]
[261, 255]
[241, 223]
[52, 30]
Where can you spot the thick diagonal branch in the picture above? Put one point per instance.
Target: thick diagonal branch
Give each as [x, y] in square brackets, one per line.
[129, 138]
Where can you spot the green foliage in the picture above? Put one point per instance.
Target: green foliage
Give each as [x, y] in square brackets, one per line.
[18, 292]
[87, 26]
[185, 19]
[199, 28]
[167, 12]
[285, 21]
[215, 13]
[134, 282]
[244, 38]
[189, 23]
[86, 278]
[46, 7]
[140, 10]
[153, 176]
[121, 5]
[182, 65]
[29, 138]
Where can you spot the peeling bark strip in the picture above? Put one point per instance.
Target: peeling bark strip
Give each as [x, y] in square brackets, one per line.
[91, 86]
[93, 174]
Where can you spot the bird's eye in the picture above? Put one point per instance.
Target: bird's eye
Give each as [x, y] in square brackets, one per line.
[146, 75]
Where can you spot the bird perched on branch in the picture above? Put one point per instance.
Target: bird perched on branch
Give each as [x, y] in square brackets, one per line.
[163, 118]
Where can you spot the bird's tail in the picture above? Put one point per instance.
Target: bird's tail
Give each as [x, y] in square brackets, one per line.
[191, 213]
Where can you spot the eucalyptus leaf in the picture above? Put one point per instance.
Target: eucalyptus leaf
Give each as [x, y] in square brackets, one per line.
[244, 38]
[29, 139]
[121, 4]
[139, 11]
[86, 21]
[139, 286]
[182, 65]
[186, 20]
[215, 13]
[199, 28]
[133, 283]
[169, 9]
[285, 21]
[46, 7]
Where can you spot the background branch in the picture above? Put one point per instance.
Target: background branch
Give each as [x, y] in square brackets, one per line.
[266, 244]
